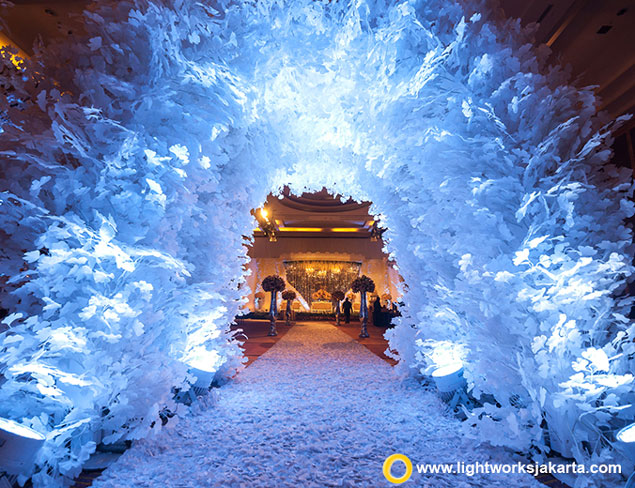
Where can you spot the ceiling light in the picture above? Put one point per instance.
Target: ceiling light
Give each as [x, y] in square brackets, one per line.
[300, 229]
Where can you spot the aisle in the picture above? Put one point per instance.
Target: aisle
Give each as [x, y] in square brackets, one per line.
[316, 410]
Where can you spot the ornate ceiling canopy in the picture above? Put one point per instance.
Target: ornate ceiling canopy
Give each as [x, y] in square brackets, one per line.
[318, 214]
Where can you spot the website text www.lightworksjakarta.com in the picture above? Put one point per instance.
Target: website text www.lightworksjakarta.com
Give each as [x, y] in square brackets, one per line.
[476, 468]
[471, 469]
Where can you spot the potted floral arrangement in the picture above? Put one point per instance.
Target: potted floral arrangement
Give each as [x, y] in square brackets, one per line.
[363, 285]
[337, 296]
[289, 296]
[273, 284]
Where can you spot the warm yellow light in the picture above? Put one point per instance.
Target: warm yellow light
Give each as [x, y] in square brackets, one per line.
[6, 42]
[344, 229]
[264, 213]
[301, 229]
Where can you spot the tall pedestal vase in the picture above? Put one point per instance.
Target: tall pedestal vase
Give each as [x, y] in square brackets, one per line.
[273, 310]
[337, 296]
[363, 315]
[288, 312]
[362, 285]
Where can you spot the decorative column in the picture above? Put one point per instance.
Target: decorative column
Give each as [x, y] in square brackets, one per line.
[362, 285]
[273, 284]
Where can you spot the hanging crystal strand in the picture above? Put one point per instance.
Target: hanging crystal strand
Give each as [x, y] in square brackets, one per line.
[363, 314]
[274, 312]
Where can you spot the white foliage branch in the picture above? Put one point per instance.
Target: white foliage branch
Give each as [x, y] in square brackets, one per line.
[132, 161]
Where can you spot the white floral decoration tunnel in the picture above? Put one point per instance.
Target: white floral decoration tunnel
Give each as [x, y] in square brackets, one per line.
[130, 162]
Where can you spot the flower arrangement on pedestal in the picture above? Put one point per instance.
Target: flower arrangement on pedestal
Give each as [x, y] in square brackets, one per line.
[273, 284]
[363, 285]
[289, 296]
[321, 295]
[337, 296]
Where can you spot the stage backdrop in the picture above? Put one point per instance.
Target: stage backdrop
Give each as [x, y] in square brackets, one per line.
[306, 273]
[310, 276]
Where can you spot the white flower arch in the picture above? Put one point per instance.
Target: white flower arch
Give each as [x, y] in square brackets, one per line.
[131, 162]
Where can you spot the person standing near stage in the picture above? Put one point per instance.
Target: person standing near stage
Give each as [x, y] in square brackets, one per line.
[346, 308]
[377, 312]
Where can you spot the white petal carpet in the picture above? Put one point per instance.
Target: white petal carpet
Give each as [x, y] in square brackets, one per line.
[317, 410]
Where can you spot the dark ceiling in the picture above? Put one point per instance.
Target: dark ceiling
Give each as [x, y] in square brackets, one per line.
[596, 37]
